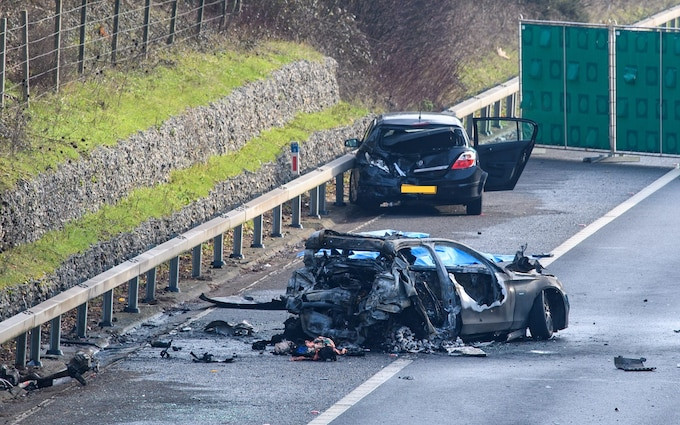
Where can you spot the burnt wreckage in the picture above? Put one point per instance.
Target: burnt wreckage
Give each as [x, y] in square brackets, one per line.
[360, 287]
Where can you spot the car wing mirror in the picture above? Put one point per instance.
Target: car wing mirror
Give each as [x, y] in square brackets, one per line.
[352, 143]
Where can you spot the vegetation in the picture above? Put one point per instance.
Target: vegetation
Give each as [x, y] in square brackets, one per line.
[117, 103]
[33, 260]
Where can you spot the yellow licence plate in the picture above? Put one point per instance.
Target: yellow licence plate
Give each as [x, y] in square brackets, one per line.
[426, 190]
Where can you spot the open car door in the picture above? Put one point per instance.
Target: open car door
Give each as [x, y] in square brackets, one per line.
[503, 146]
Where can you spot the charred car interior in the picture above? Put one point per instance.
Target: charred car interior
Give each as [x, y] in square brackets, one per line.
[358, 288]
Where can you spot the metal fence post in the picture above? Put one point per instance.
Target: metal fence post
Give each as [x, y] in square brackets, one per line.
[196, 259]
[133, 296]
[35, 346]
[218, 251]
[57, 44]
[257, 232]
[276, 222]
[3, 48]
[173, 286]
[511, 105]
[114, 35]
[199, 19]
[55, 337]
[296, 205]
[145, 35]
[150, 286]
[173, 22]
[107, 309]
[20, 360]
[26, 58]
[237, 252]
[81, 45]
[340, 190]
[81, 320]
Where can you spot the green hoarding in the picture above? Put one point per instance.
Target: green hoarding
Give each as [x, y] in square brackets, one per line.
[565, 86]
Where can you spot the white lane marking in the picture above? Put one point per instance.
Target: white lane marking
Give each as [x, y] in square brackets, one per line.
[371, 221]
[360, 392]
[610, 216]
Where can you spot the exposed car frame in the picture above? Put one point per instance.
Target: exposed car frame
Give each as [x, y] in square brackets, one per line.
[358, 287]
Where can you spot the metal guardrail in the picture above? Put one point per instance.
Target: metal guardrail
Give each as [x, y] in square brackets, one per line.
[29, 322]
[77, 297]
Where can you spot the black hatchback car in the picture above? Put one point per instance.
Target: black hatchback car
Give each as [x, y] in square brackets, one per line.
[429, 157]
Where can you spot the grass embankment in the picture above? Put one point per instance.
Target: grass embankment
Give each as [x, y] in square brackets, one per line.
[117, 103]
[37, 259]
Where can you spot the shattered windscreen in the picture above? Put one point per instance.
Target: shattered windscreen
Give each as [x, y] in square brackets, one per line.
[409, 140]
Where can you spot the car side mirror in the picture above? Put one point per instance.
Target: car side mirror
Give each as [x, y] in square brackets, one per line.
[352, 143]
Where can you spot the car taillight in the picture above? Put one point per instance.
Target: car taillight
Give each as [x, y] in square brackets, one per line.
[465, 160]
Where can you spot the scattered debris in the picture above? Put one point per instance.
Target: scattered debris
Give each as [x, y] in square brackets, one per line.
[221, 327]
[632, 365]
[209, 358]
[406, 378]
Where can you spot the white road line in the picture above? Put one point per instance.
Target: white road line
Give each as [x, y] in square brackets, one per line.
[610, 216]
[360, 392]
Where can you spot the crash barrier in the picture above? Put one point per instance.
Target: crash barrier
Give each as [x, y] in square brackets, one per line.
[571, 64]
[27, 324]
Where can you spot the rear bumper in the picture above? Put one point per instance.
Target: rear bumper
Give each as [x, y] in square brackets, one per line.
[379, 187]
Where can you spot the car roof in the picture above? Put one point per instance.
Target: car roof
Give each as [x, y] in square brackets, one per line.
[411, 118]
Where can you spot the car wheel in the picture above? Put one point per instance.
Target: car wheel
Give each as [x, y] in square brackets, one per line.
[540, 318]
[353, 187]
[474, 207]
[354, 193]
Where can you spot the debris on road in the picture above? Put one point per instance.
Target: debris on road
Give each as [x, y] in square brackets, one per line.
[209, 358]
[221, 327]
[632, 365]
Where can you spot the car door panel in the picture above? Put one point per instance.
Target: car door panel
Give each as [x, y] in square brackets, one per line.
[504, 146]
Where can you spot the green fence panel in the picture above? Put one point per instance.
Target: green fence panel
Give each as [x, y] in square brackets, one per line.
[543, 80]
[638, 91]
[670, 54]
[587, 87]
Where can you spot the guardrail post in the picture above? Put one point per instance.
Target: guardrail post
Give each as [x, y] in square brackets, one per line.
[20, 360]
[55, 337]
[173, 286]
[486, 113]
[340, 190]
[196, 259]
[497, 113]
[107, 309]
[133, 295]
[218, 251]
[314, 202]
[276, 222]
[511, 105]
[237, 251]
[296, 204]
[322, 199]
[35, 347]
[150, 286]
[81, 320]
[469, 124]
[257, 232]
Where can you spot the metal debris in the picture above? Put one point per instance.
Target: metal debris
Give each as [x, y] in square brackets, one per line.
[221, 327]
[632, 365]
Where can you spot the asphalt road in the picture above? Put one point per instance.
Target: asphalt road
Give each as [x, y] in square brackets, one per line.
[621, 283]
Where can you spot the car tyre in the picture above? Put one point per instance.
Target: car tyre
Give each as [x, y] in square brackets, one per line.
[540, 318]
[474, 207]
[354, 193]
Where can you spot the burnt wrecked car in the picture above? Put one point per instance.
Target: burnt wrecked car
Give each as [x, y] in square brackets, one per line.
[358, 288]
[428, 157]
